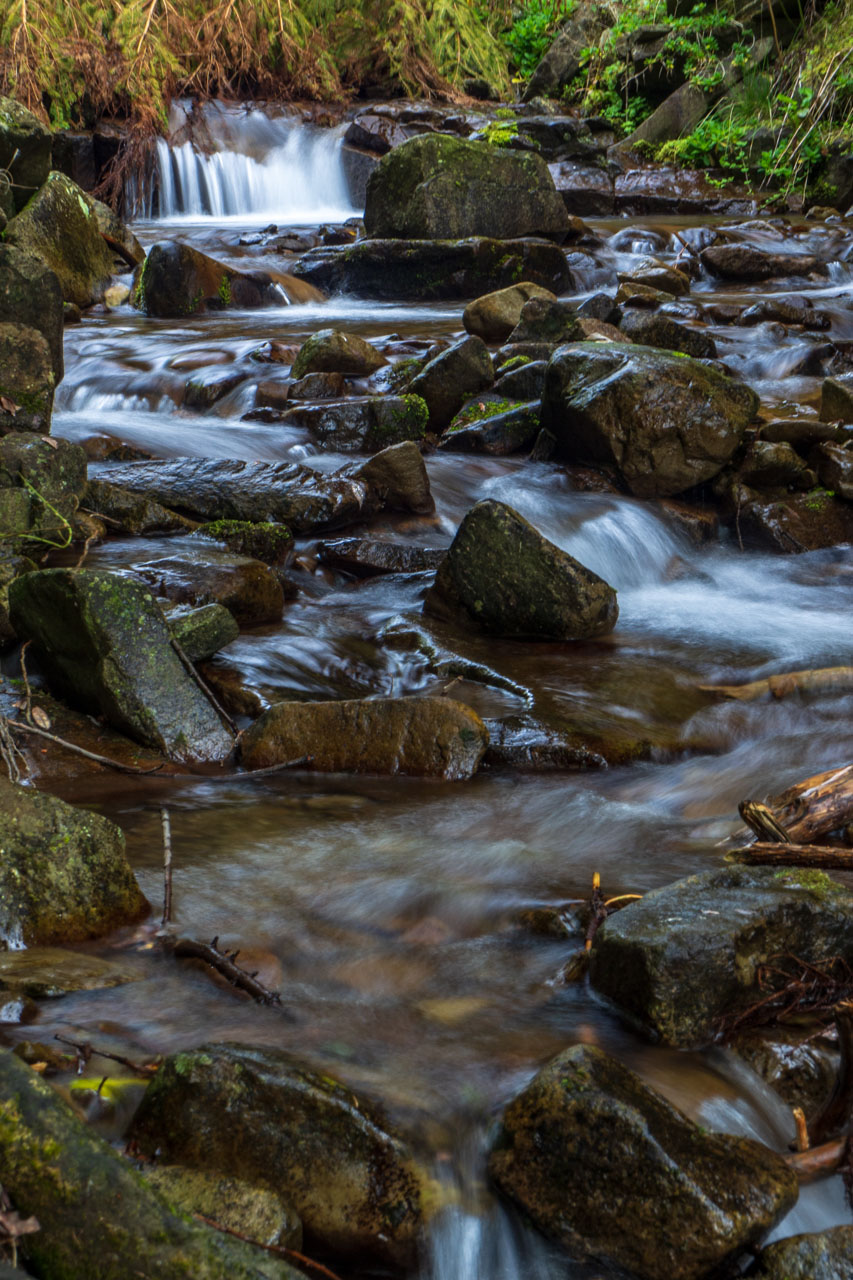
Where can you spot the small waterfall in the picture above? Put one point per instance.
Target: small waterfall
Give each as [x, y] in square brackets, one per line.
[238, 162]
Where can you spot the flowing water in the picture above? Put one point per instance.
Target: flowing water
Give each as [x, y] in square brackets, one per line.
[392, 906]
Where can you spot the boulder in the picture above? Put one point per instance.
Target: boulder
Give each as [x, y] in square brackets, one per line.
[766, 465]
[524, 382]
[105, 646]
[41, 481]
[60, 226]
[205, 391]
[497, 434]
[434, 270]
[834, 466]
[824, 1255]
[447, 381]
[31, 296]
[203, 631]
[666, 422]
[260, 1115]
[25, 150]
[559, 137]
[27, 380]
[664, 189]
[655, 330]
[438, 187]
[366, 557]
[836, 400]
[363, 425]
[63, 872]
[331, 351]
[745, 262]
[11, 567]
[398, 478]
[688, 955]
[564, 58]
[585, 189]
[502, 577]
[607, 1167]
[206, 574]
[494, 316]
[176, 280]
[655, 274]
[422, 737]
[314, 386]
[798, 522]
[272, 543]
[93, 1205]
[543, 320]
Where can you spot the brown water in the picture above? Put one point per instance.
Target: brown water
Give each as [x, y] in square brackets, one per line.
[392, 906]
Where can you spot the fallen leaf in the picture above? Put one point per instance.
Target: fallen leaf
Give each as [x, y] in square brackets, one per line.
[41, 718]
[8, 406]
[13, 1225]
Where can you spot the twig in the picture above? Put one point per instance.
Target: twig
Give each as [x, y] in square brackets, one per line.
[278, 1249]
[276, 768]
[10, 752]
[167, 867]
[802, 1140]
[85, 1051]
[224, 963]
[28, 706]
[206, 690]
[81, 751]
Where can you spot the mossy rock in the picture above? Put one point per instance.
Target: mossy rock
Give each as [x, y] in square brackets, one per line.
[12, 565]
[612, 1171]
[249, 1208]
[59, 225]
[27, 381]
[504, 431]
[272, 543]
[688, 955]
[332, 351]
[63, 872]
[41, 482]
[93, 1206]
[440, 187]
[202, 632]
[25, 149]
[364, 425]
[259, 1114]
[447, 381]
[176, 280]
[31, 295]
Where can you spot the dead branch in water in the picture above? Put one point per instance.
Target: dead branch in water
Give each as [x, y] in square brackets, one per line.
[81, 751]
[793, 986]
[820, 680]
[85, 1051]
[811, 808]
[773, 854]
[760, 820]
[167, 867]
[279, 1250]
[817, 1162]
[223, 962]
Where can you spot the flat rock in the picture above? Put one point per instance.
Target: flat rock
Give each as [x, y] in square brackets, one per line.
[744, 262]
[44, 973]
[366, 557]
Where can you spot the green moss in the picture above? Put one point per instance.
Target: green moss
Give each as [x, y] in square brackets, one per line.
[225, 291]
[817, 499]
[817, 882]
[482, 409]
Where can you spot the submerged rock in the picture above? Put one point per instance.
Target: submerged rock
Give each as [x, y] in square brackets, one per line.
[612, 1171]
[63, 873]
[92, 1204]
[60, 226]
[446, 382]
[433, 270]
[424, 737]
[105, 646]
[688, 955]
[824, 1255]
[437, 187]
[259, 1114]
[494, 316]
[177, 280]
[666, 422]
[503, 577]
[46, 973]
[331, 351]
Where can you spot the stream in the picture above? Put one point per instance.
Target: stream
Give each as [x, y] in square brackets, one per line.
[393, 906]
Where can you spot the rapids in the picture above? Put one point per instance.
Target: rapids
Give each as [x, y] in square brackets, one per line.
[392, 905]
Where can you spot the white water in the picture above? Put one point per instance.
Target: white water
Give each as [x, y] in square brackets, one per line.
[223, 162]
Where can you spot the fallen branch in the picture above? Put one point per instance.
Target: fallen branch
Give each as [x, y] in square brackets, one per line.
[773, 854]
[279, 1250]
[225, 964]
[820, 680]
[817, 1162]
[793, 986]
[167, 867]
[116, 245]
[815, 806]
[760, 819]
[81, 751]
[85, 1051]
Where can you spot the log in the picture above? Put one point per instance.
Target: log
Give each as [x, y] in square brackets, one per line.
[815, 806]
[820, 680]
[817, 1162]
[765, 853]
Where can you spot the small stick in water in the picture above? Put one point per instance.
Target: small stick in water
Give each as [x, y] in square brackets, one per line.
[167, 867]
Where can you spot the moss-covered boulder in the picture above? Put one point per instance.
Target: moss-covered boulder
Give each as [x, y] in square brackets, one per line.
[31, 295]
[176, 280]
[502, 577]
[25, 149]
[272, 543]
[98, 1217]
[249, 1208]
[27, 381]
[12, 566]
[365, 424]
[688, 955]
[105, 646]
[63, 873]
[447, 381]
[439, 187]
[206, 574]
[494, 316]
[650, 329]
[423, 737]
[508, 430]
[201, 632]
[824, 1255]
[259, 1114]
[59, 225]
[43, 481]
[434, 270]
[665, 422]
[332, 351]
[612, 1171]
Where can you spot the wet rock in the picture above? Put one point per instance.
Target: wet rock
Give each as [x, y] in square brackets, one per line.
[331, 351]
[249, 1208]
[364, 425]
[632, 294]
[31, 296]
[585, 189]
[25, 150]
[600, 306]
[494, 316]
[836, 400]
[699, 524]
[201, 632]
[525, 382]
[543, 320]
[422, 737]
[800, 1068]
[105, 646]
[443, 188]
[46, 973]
[398, 478]
[434, 270]
[498, 434]
[612, 1171]
[131, 513]
[63, 873]
[376, 132]
[661, 189]
[315, 386]
[564, 58]
[502, 577]
[41, 482]
[27, 380]
[658, 275]
[666, 422]
[745, 262]
[523, 743]
[93, 1204]
[11, 567]
[559, 137]
[446, 382]
[119, 237]
[60, 226]
[792, 311]
[824, 1255]
[247, 588]
[800, 522]
[272, 543]
[804, 433]
[688, 955]
[366, 557]
[176, 280]
[662, 332]
[834, 466]
[203, 393]
[771, 466]
[353, 1182]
